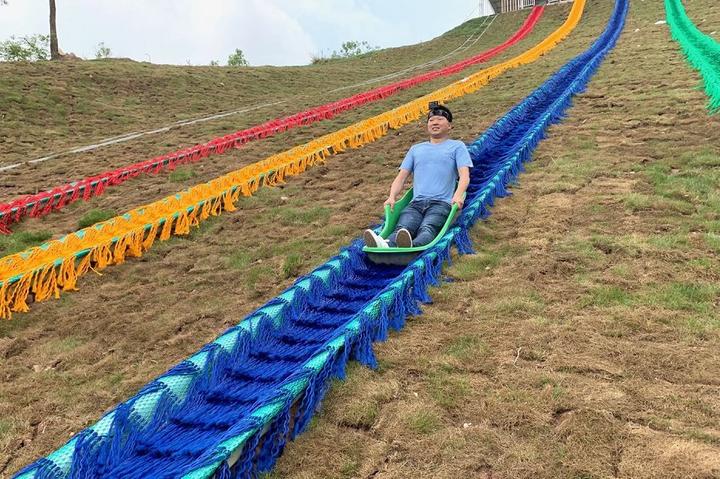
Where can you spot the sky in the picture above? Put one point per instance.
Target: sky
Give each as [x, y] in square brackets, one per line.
[269, 32]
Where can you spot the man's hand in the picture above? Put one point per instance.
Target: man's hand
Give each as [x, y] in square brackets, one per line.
[396, 187]
[459, 200]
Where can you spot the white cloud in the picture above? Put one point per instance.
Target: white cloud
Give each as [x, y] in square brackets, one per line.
[168, 31]
[336, 21]
[278, 32]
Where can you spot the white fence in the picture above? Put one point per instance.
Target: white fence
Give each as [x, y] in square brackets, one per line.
[514, 5]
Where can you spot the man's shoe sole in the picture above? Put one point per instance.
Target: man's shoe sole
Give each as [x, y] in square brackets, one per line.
[403, 239]
[369, 240]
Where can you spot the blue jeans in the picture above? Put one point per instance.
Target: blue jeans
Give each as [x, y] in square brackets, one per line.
[423, 219]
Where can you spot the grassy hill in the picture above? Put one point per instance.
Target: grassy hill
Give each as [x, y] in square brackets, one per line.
[580, 341]
[50, 106]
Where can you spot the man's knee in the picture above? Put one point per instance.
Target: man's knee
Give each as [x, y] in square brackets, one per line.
[428, 229]
[425, 236]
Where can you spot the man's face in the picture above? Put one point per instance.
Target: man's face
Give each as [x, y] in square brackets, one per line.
[438, 126]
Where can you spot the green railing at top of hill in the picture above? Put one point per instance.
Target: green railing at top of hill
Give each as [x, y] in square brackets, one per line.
[701, 50]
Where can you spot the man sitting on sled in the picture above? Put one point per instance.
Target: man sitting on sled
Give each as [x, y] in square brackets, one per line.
[441, 174]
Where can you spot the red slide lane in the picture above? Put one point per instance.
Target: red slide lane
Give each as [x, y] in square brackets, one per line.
[55, 198]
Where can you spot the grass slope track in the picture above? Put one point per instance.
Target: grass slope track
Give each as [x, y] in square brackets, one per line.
[54, 266]
[701, 51]
[55, 198]
[228, 410]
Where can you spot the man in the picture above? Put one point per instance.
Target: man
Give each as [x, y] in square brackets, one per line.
[441, 174]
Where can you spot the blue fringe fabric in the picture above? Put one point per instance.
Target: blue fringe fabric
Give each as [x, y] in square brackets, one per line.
[228, 410]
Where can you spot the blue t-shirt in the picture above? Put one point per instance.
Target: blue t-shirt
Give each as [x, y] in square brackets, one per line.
[434, 167]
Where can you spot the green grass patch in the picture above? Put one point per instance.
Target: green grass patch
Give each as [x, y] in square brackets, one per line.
[706, 221]
[350, 469]
[338, 231]
[701, 263]
[637, 202]
[446, 389]
[465, 347]
[208, 226]
[302, 247]
[22, 240]
[292, 265]
[68, 344]
[701, 159]
[712, 201]
[702, 436]
[621, 271]
[5, 428]
[239, 260]
[606, 296]
[472, 266]
[95, 216]
[713, 241]
[529, 304]
[700, 327]
[682, 185]
[606, 244]
[181, 174]
[256, 274]
[64, 345]
[695, 297]
[115, 379]
[677, 241]
[360, 414]
[558, 392]
[567, 162]
[559, 187]
[424, 422]
[586, 143]
[596, 208]
[585, 251]
[289, 216]
[544, 381]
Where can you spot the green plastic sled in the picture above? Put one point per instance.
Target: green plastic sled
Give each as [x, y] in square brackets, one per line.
[403, 256]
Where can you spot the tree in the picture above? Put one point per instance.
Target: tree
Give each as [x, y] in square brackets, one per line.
[237, 59]
[25, 49]
[353, 48]
[102, 51]
[54, 49]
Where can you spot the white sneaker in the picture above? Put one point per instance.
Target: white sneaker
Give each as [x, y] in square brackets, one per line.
[403, 239]
[373, 240]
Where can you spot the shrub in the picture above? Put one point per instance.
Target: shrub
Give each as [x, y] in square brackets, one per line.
[25, 49]
[237, 59]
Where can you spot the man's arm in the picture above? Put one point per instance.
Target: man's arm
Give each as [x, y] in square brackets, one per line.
[397, 187]
[463, 182]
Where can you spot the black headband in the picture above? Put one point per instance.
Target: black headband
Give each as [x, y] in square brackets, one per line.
[439, 110]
